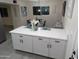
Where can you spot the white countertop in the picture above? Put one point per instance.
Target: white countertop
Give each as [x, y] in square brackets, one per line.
[53, 33]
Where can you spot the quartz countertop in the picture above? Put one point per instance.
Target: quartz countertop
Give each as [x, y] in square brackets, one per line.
[52, 33]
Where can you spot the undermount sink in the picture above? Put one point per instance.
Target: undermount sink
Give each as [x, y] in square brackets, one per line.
[46, 28]
[40, 28]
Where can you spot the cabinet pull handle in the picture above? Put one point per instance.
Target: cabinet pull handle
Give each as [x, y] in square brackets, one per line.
[20, 40]
[40, 39]
[21, 36]
[47, 45]
[50, 46]
[57, 41]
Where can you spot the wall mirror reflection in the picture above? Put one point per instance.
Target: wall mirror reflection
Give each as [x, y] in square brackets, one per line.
[51, 11]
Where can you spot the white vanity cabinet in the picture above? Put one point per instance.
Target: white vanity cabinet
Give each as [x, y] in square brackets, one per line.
[53, 48]
[49, 47]
[40, 46]
[27, 43]
[57, 49]
[46, 43]
[22, 42]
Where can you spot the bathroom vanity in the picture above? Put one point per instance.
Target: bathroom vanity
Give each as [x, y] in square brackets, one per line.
[50, 43]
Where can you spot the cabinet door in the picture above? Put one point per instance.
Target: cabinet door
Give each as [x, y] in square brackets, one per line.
[57, 49]
[17, 41]
[27, 43]
[40, 46]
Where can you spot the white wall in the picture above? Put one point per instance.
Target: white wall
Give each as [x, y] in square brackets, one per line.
[13, 10]
[7, 20]
[6, 1]
[71, 29]
[10, 2]
[16, 16]
[55, 10]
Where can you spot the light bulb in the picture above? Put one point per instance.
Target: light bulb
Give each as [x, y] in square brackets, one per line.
[39, 10]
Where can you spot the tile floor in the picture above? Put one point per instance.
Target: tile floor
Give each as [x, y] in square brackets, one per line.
[7, 52]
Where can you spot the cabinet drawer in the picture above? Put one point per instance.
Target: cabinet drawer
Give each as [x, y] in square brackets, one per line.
[58, 42]
[18, 36]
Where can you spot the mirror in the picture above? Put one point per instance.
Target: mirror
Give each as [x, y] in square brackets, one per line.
[49, 10]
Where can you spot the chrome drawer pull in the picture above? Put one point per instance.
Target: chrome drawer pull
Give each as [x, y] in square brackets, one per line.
[40, 39]
[21, 36]
[21, 41]
[48, 45]
[57, 41]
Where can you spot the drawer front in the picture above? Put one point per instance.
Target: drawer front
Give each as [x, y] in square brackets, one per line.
[18, 36]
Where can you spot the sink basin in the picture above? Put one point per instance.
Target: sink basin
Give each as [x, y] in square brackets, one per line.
[35, 29]
[39, 28]
[46, 28]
